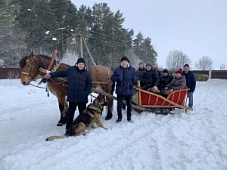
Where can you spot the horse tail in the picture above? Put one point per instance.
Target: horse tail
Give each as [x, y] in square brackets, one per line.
[51, 138]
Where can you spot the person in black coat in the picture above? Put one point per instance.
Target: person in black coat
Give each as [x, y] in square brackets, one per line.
[165, 79]
[150, 78]
[124, 76]
[159, 72]
[79, 87]
[140, 71]
[190, 83]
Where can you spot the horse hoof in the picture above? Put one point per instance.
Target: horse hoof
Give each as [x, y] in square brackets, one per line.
[60, 124]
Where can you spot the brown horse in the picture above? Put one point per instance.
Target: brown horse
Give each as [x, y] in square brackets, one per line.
[30, 71]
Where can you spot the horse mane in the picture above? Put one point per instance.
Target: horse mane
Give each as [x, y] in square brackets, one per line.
[22, 62]
[45, 56]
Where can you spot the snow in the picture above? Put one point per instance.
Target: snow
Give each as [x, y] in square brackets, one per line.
[196, 140]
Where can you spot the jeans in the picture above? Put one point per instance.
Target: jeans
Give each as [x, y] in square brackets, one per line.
[190, 99]
[71, 111]
[128, 99]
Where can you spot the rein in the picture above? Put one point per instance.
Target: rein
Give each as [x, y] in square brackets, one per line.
[37, 86]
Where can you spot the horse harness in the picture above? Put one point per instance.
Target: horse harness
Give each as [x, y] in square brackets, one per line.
[38, 65]
[108, 78]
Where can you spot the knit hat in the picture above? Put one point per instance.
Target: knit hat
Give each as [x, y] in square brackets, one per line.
[186, 65]
[140, 63]
[125, 58]
[165, 71]
[148, 64]
[180, 71]
[80, 60]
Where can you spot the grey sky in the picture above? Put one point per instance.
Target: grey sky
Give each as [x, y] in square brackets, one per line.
[197, 27]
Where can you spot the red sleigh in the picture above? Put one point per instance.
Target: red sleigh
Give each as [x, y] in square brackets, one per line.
[153, 101]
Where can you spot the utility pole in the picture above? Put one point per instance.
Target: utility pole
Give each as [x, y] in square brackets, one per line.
[92, 59]
[81, 45]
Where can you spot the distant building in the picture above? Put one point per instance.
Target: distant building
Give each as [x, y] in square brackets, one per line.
[2, 64]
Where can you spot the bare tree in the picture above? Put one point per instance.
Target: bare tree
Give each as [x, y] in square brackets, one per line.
[176, 59]
[222, 67]
[204, 63]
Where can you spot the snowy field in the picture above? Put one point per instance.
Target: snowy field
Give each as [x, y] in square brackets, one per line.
[193, 141]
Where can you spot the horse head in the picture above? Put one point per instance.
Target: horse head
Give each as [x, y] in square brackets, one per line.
[29, 67]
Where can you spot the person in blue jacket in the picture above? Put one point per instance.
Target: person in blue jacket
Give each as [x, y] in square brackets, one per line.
[125, 78]
[79, 87]
[190, 83]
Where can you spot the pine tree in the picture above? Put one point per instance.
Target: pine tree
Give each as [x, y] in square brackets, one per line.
[148, 52]
[44, 28]
[143, 49]
[11, 36]
[137, 44]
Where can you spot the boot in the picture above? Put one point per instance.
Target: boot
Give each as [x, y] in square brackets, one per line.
[67, 132]
[130, 120]
[129, 117]
[109, 116]
[119, 119]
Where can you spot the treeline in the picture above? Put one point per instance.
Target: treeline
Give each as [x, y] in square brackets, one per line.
[42, 26]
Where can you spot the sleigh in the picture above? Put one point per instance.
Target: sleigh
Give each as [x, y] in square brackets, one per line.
[160, 104]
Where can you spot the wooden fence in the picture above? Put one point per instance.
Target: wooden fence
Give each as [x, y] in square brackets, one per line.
[215, 74]
[9, 73]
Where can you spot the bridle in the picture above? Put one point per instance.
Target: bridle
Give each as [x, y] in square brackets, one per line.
[33, 64]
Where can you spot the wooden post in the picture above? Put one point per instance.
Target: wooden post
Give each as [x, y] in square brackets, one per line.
[210, 74]
[81, 47]
[92, 59]
[138, 84]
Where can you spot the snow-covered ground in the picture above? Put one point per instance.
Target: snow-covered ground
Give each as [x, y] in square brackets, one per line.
[196, 140]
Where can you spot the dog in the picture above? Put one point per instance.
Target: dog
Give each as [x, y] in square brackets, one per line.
[87, 118]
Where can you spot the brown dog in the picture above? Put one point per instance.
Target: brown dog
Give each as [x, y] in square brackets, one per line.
[88, 118]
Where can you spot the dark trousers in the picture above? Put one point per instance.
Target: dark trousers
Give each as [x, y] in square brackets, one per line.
[128, 99]
[71, 111]
[190, 98]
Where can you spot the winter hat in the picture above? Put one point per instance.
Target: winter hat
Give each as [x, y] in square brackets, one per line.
[180, 71]
[140, 63]
[148, 64]
[186, 65]
[165, 71]
[125, 58]
[80, 60]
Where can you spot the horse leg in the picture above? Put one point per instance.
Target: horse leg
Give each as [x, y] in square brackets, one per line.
[63, 107]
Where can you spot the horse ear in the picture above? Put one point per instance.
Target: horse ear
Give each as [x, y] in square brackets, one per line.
[31, 54]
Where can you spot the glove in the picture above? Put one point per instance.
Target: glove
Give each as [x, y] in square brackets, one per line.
[155, 88]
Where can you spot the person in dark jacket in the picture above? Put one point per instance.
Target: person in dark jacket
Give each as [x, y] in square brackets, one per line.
[79, 87]
[157, 69]
[190, 83]
[165, 79]
[177, 83]
[150, 78]
[125, 78]
[140, 71]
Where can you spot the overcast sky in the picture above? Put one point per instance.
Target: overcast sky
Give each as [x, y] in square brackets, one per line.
[196, 27]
